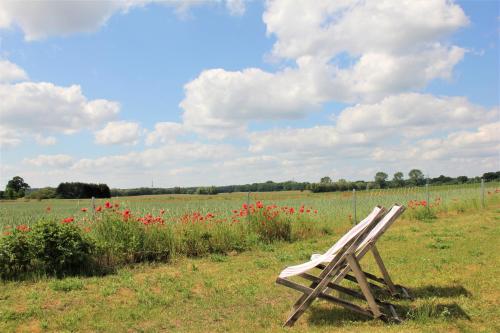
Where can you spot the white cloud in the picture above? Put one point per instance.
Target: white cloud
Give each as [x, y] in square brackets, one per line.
[165, 132]
[220, 103]
[236, 7]
[414, 115]
[389, 49]
[119, 132]
[53, 161]
[41, 19]
[10, 72]
[9, 137]
[40, 108]
[358, 27]
[45, 140]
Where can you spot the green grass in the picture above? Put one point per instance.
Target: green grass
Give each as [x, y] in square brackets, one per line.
[450, 264]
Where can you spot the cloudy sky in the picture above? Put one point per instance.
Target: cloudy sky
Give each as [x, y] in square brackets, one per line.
[230, 92]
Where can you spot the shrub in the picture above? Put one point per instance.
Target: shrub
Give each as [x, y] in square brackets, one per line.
[15, 254]
[60, 248]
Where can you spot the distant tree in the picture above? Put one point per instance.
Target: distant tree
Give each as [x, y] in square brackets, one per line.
[462, 179]
[43, 193]
[490, 176]
[16, 188]
[416, 177]
[398, 179]
[381, 179]
[326, 180]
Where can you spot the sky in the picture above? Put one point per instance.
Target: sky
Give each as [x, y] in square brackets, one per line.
[191, 93]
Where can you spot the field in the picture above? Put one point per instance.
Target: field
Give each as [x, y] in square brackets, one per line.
[448, 259]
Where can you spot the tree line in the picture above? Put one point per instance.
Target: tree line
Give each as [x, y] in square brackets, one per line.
[18, 188]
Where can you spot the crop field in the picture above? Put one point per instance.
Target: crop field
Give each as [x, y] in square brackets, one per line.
[333, 207]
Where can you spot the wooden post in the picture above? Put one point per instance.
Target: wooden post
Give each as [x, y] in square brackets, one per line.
[482, 193]
[427, 195]
[354, 205]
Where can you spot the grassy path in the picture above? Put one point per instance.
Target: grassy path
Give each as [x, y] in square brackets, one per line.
[451, 264]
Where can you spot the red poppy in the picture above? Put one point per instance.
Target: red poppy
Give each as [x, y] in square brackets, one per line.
[98, 209]
[84, 209]
[48, 209]
[23, 228]
[108, 204]
[68, 220]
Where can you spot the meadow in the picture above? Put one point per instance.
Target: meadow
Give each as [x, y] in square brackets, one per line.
[444, 248]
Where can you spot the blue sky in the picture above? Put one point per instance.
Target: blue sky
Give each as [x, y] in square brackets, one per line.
[213, 93]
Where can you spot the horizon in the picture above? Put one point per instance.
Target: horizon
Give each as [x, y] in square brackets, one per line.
[239, 92]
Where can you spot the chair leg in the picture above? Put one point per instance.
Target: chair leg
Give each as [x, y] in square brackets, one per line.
[387, 278]
[363, 284]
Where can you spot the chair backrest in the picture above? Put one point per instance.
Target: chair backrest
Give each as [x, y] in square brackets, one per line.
[366, 224]
[381, 227]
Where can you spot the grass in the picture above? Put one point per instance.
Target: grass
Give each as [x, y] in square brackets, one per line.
[449, 263]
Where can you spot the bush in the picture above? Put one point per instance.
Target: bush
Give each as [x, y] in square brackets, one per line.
[60, 248]
[49, 247]
[15, 254]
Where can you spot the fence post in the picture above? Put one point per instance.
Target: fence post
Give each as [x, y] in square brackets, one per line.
[93, 206]
[427, 195]
[354, 204]
[482, 193]
[248, 205]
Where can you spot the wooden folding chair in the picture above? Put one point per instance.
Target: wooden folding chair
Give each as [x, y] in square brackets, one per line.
[339, 265]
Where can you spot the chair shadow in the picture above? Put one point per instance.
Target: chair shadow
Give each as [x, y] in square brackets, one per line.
[439, 291]
[337, 316]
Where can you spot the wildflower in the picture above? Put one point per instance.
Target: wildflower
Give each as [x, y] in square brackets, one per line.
[315, 211]
[23, 228]
[98, 209]
[244, 206]
[83, 209]
[126, 214]
[108, 204]
[291, 210]
[48, 209]
[259, 204]
[423, 203]
[86, 229]
[117, 205]
[68, 220]
[308, 211]
[162, 211]
[301, 210]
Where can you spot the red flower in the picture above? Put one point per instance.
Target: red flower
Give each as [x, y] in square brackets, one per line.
[244, 206]
[68, 220]
[291, 210]
[162, 211]
[23, 228]
[315, 211]
[117, 205]
[48, 209]
[98, 209]
[108, 204]
[423, 203]
[259, 204]
[84, 209]
[301, 210]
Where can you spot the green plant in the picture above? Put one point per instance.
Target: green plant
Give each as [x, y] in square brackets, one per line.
[60, 248]
[15, 254]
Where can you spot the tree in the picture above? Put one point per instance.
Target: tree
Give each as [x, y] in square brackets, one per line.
[416, 177]
[18, 186]
[462, 179]
[325, 180]
[398, 180]
[381, 179]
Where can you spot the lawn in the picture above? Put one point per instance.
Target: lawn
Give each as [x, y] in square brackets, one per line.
[450, 265]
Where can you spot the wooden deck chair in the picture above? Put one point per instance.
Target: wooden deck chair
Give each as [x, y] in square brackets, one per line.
[340, 264]
[368, 245]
